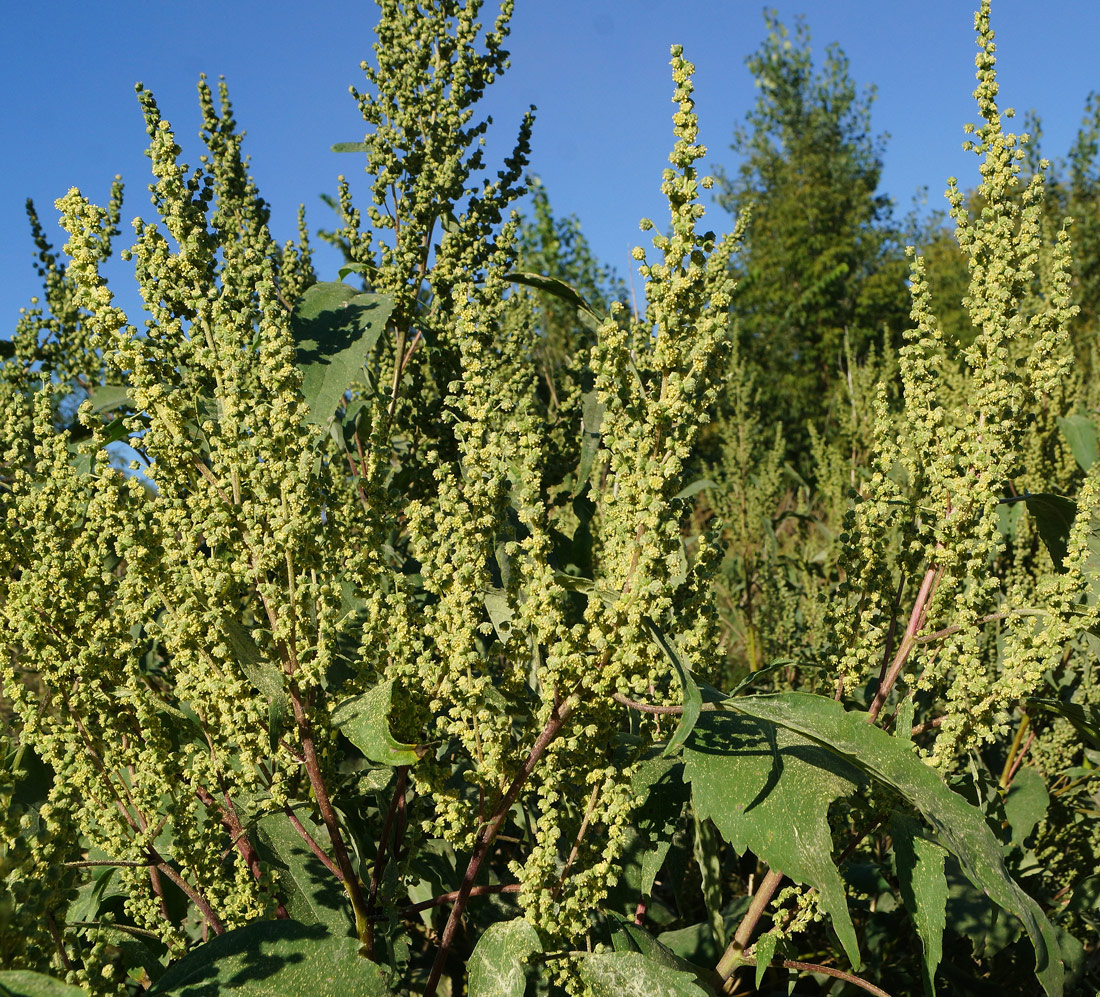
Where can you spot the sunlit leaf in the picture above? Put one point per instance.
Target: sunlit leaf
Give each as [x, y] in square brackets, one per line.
[24, 983]
[632, 974]
[960, 827]
[1080, 434]
[310, 893]
[496, 966]
[335, 327]
[365, 721]
[275, 959]
[768, 791]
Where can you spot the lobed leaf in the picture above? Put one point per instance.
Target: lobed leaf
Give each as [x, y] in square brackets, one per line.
[919, 864]
[960, 827]
[768, 790]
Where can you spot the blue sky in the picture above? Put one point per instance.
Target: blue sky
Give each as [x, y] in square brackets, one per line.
[596, 69]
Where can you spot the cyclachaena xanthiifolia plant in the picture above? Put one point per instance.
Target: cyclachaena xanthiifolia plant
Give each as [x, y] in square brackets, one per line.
[379, 669]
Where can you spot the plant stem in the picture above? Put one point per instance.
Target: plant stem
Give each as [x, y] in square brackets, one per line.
[485, 837]
[908, 641]
[328, 814]
[734, 955]
[311, 842]
[446, 898]
[380, 858]
[1006, 772]
[839, 974]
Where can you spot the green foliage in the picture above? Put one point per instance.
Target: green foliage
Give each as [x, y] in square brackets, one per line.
[820, 262]
[391, 661]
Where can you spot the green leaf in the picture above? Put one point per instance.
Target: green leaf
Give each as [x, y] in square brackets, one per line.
[660, 782]
[355, 268]
[768, 791]
[264, 673]
[114, 431]
[560, 289]
[592, 413]
[350, 147]
[1053, 515]
[365, 721]
[753, 677]
[763, 952]
[335, 327]
[500, 613]
[919, 865]
[1080, 434]
[629, 937]
[275, 959]
[24, 983]
[706, 853]
[632, 974]
[109, 396]
[694, 488]
[693, 700]
[1026, 803]
[308, 891]
[7, 349]
[496, 966]
[1085, 719]
[961, 828]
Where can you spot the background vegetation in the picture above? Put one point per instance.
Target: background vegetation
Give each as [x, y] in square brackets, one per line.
[468, 621]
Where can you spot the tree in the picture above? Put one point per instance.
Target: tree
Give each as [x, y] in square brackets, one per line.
[820, 260]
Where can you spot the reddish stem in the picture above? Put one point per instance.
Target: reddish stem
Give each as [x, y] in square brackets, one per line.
[485, 838]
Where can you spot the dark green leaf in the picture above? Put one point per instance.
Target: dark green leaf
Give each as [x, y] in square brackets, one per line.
[109, 396]
[365, 721]
[693, 700]
[919, 866]
[629, 937]
[496, 966]
[560, 289]
[632, 974]
[308, 890]
[1053, 515]
[24, 983]
[768, 790]
[355, 268]
[1026, 803]
[659, 781]
[275, 959]
[335, 327]
[1085, 719]
[350, 147]
[961, 828]
[1080, 434]
[592, 419]
[7, 349]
